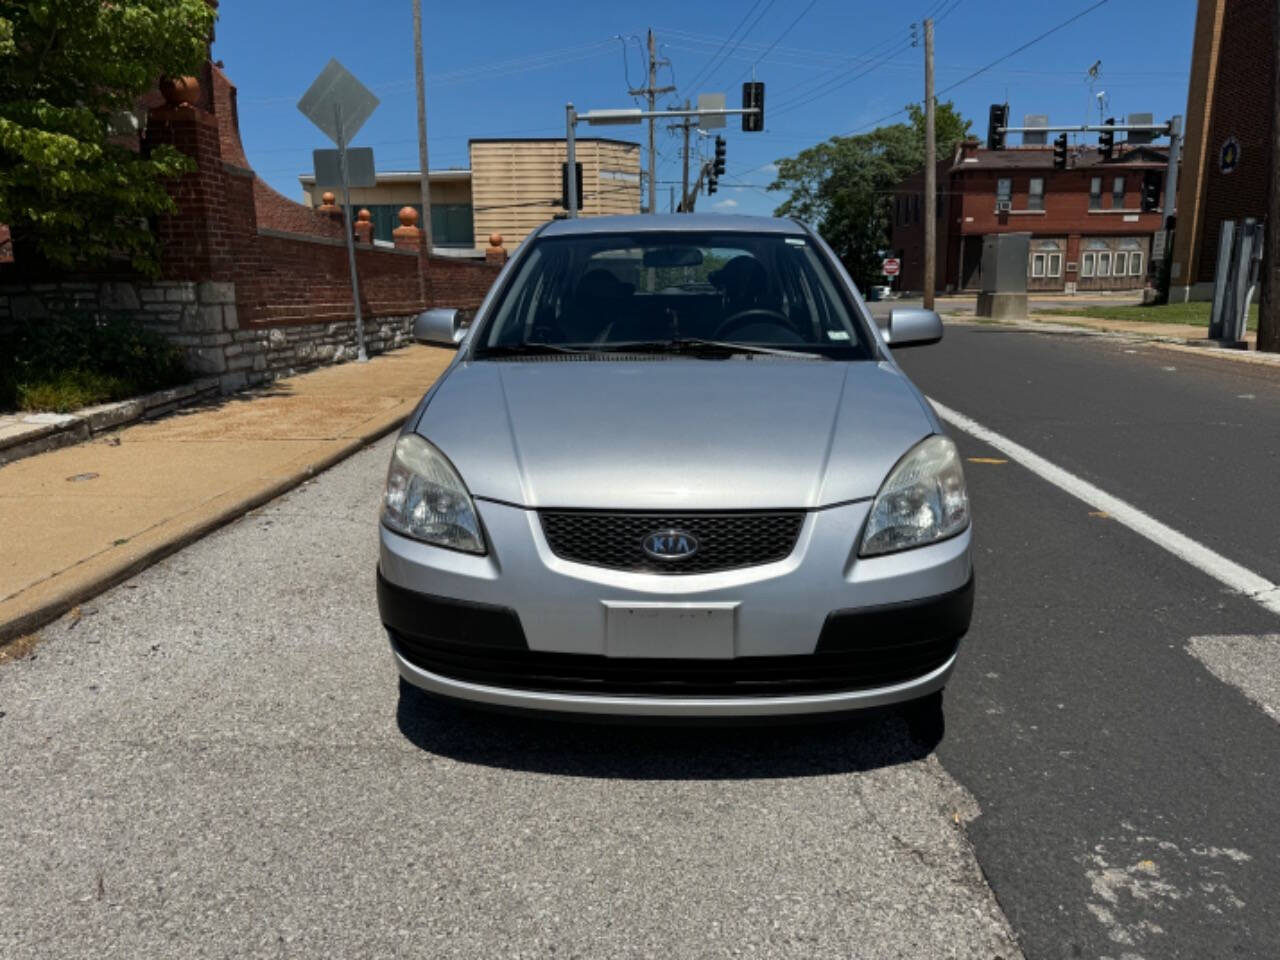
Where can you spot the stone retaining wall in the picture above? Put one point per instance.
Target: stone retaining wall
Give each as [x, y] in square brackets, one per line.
[202, 319]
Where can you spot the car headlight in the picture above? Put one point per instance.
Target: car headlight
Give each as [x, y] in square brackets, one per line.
[923, 500]
[427, 500]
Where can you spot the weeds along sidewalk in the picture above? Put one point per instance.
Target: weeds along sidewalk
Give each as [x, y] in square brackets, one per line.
[80, 519]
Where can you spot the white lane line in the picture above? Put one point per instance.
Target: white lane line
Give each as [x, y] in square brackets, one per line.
[1227, 572]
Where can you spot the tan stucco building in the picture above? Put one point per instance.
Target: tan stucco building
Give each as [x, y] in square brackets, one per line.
[512, 186]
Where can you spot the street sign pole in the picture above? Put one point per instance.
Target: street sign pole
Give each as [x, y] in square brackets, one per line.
[361, 355]
[339, 104]
[570, 154]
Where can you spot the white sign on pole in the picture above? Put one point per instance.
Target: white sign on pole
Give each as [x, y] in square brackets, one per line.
[711, 101]
[328, 168]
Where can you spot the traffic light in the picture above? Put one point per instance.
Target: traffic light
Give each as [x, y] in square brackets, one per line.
[1150, 191]
[1107, 140]
[564, 183]
[999, 117]
[1060, 152]
[711, 179]
[753, 99]
[717, 168]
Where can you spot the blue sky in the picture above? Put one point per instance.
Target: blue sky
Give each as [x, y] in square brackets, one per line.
[500, 68]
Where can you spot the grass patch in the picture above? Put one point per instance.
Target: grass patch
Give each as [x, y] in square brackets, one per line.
[70, 390]
[1193, 314]
[59, 364]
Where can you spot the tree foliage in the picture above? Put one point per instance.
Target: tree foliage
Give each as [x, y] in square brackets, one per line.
[845, 186]
[70, 70]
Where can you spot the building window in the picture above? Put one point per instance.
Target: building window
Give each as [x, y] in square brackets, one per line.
[1117, 193]
[1095, 193]
[915, 208]
[1035, 194]
[1122, 264]
[1104, 264]
[1135, 264]
[1037, 265]
[1086, 265]
[1055, 265]
[1004, 190]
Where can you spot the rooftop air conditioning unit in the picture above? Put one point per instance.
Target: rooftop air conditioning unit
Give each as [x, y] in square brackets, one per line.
[1004, 206]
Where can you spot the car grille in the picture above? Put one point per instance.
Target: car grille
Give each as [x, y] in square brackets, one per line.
[726, 541]
[876, 663]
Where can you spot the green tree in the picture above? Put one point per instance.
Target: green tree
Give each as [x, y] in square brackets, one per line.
[844, 186]
[70, 70]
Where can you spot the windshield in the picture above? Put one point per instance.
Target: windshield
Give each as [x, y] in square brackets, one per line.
[601, 292]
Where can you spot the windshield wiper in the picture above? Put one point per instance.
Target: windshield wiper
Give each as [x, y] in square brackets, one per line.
[527, 349]
[696, 345]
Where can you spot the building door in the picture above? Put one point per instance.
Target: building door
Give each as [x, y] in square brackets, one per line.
[970, 263]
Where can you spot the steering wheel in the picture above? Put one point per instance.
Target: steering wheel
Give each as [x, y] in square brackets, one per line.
[745, 318]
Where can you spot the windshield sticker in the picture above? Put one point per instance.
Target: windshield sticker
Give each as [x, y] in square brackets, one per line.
[796, 241]
[837, 334]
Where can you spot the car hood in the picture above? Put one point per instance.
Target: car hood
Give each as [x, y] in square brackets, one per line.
[674, 433]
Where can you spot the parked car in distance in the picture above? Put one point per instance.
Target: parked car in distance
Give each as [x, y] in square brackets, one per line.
[674, 471]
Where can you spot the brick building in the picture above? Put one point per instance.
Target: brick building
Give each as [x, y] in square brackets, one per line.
[1226, 152]
[1088, 231]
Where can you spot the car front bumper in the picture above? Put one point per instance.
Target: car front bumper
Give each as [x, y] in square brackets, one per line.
[821, 631]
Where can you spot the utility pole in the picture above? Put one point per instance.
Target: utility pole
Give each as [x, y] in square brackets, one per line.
[684, 179]
[1269, 308]
[651, 92]
[425, 185]
[930, 173]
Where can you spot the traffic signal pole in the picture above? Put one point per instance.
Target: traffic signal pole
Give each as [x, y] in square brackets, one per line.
[684, 177]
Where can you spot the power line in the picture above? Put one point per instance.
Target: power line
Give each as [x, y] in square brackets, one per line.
[754, 23]
[1017, 50]
[800, 16]
[696, 77]
[981, 70]
[838, 81]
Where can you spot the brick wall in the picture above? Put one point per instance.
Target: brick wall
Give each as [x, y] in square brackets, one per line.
[254, 286]
[1242, 110]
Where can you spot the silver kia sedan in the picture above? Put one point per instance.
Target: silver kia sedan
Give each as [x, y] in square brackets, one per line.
[674, 471]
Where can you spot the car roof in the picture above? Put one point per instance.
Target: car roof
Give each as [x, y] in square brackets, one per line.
[667, 222]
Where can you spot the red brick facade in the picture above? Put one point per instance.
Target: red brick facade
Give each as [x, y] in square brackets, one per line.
[1241, 113]
[1074, 232]
[288, 262]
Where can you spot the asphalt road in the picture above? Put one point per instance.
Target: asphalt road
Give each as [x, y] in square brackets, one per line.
[1110, 712]
[216, 759]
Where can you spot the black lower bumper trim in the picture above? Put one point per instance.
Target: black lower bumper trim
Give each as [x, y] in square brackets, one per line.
[914, 621]
[485, 644]
[427, 620]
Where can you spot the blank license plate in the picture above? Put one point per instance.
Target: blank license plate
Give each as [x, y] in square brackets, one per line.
[695, 631]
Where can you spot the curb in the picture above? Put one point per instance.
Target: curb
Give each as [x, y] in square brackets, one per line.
[49, 431]
[66, 598]
[1205, 347]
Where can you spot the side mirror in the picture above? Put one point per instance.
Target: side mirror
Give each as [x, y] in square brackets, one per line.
[441, 326]
[912, 327]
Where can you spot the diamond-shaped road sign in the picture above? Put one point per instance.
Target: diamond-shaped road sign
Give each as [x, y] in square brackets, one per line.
[335, 94]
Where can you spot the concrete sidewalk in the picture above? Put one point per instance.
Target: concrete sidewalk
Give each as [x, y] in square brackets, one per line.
[1168, 336]
[77, 520]
[1184, 332]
